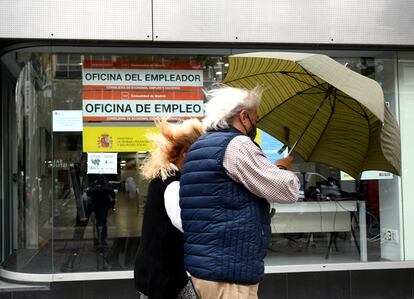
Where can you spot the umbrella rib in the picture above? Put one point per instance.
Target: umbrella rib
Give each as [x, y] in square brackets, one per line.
[287, 100]
[325, 98]
[369, 127]
[304, 92]
[365, 113]
[327, 123]
[357, 112]
[281, 72]
[345, 97]
[304, 82]
[312, 76]
[349, 98]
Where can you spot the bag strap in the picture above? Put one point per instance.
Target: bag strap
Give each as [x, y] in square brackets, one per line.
[194, 289]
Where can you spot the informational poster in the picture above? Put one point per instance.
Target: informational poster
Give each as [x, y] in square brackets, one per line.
[368, 175]
[117, 139]
[141, 91]
[67, 120]
[270, 146]
[131, 92]
[102, 163]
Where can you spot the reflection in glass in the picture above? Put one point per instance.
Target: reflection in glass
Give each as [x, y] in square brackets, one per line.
[57, 229]
[33, 211]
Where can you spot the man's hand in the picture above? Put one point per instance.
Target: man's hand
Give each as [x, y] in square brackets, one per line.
[285, 163]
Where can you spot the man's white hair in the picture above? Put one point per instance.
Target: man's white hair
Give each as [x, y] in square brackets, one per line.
[225, 102]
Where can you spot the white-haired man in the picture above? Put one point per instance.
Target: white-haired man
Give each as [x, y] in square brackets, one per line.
[227, 184]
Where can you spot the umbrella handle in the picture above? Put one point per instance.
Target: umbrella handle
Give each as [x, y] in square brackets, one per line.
[294, 145]
[286, 136]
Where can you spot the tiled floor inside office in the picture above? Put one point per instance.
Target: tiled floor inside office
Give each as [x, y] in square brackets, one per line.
[287, 251]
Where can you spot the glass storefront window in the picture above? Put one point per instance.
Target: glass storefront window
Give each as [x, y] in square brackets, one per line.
[340, 219]
[58, 232]
[337, 219]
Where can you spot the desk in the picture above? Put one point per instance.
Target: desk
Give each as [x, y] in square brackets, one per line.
[320, 216]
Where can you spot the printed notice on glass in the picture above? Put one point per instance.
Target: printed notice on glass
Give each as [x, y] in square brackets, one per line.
[369, 175]
[117, 139]
[67, 120]
[141, 91]
[102, 163]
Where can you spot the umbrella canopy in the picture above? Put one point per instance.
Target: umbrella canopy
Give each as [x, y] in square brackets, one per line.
[332, 114]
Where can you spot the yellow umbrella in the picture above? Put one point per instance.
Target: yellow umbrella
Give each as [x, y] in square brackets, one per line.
[333, 115]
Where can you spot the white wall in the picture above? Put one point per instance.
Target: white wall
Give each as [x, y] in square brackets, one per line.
[390, 198]
[390, 217]
[406, 90]
[285, 21]
[236, 21]
[76, 19]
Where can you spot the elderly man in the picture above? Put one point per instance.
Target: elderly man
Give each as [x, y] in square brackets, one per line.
[227, 184]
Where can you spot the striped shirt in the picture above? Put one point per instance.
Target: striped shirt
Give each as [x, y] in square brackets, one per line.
[245, 163]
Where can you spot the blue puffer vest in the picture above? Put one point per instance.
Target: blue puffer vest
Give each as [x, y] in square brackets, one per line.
[226, 227]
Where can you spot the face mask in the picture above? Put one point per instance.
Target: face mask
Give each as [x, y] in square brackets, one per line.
[252, 133]
[253, 130]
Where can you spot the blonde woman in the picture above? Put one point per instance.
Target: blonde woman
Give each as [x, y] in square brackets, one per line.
[159, 266]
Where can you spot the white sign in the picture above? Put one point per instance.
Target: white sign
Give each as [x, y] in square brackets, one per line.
[141, 91]
[67, 121]
[368, 175]
[102, 163]
[117, 109]
[142, 77]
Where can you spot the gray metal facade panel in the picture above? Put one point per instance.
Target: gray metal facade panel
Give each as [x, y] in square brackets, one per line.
[76, 19]
[285, 21]
[265, 21]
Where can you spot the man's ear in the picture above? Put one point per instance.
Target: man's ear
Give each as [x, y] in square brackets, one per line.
[243, 114]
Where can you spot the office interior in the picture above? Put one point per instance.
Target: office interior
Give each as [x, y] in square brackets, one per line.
[337, 220]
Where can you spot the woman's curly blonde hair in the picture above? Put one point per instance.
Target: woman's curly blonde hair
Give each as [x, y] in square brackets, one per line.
[168, 146]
